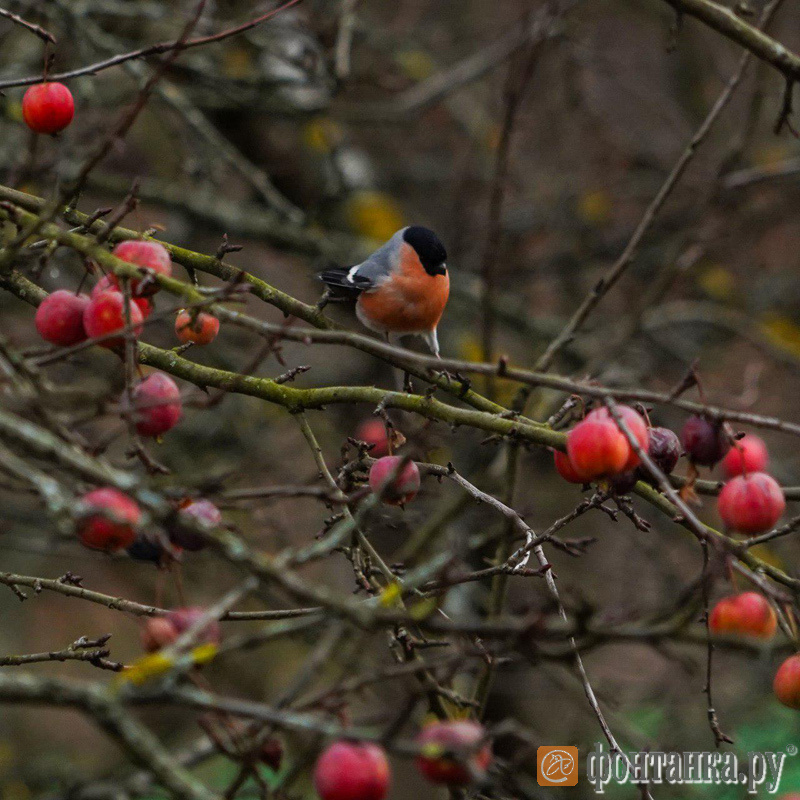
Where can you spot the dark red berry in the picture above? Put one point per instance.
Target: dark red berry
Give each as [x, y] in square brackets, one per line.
[704, 441]
[59, 318]
[48, 107]
[664, 449]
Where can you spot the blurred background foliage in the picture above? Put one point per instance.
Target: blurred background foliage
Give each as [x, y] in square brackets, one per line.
[304, 158]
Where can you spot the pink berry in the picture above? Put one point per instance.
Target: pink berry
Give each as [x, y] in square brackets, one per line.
[453, 753]
[202, 329]
[746, 614]
[112, 532]
[147, 255]
[751, 504]
[748, 454]
[59, 318]
[158, 404]
[48, 107]
[161, 632]
[105, 314]
[400, 490]
[202, 511]
[352, 771]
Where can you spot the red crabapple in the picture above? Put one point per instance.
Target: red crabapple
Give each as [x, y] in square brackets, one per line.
[48, 107]
[352, 771]
[113, 530]
[158, 404]
[373, 431]
[565, 469]
[147, 255]
[105, 314]
[704, 440]
[110, 283]
[751, 503]
[598, 448]
[201, 511]
[746, 614]
[633, 422]
[787, 682]
[453, 753]
[59, 318]
[400, 490]
[161, 632]
[748, 454]
[202, 329]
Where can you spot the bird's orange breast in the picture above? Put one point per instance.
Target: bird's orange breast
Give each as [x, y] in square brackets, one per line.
[410, 300]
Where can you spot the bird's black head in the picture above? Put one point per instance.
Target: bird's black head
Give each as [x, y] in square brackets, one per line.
[428, 247]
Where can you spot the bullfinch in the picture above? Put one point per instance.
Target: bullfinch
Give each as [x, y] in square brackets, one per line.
[401, 289]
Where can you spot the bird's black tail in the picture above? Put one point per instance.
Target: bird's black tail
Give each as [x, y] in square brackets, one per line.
[336, 279]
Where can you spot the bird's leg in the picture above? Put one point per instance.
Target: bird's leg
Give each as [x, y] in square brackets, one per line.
[403, 384]
[432, 340]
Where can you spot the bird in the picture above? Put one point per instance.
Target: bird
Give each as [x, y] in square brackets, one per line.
[401, 289]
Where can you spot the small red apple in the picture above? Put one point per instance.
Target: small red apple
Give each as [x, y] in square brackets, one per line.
[110, 283]
[59, 318]
[48, 107]
[395, 491]
[113, 530]
[453, 753]
[752, 503]
[105, 314]
[565, 469]
[158, 404]
[147, 255]
[746, 614]
[202, 329]
[787, 682]
[373, 431]
[748, 454]
[352, 771]
[161, 632]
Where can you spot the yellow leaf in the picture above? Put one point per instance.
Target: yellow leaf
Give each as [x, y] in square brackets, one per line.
[782, 332]
[424, 608]
[717, 282]
[767, 555]
[204, 653]
[595, 206]
[374, 214]
[322, 134]
[146, 668]
[391, 594]
[416, 64]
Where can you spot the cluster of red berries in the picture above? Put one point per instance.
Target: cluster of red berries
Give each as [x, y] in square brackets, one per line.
[750, 615]
[453, 754]
[597, 449]
[111, 520]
